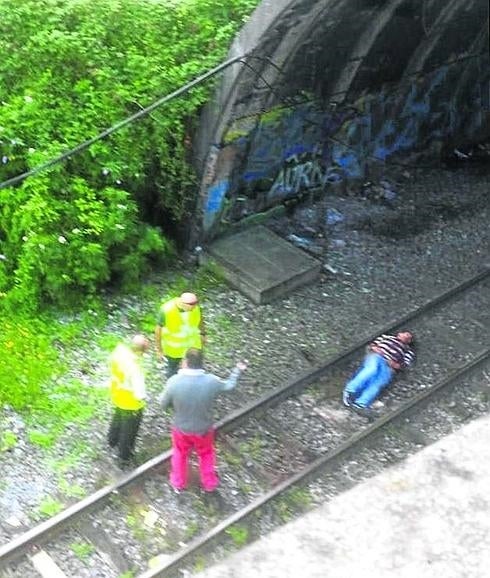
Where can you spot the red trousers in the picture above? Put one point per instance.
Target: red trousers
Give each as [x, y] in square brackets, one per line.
[182, 445]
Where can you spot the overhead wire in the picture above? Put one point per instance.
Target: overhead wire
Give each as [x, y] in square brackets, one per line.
[128, 120]
[187, 87]
[287, 103]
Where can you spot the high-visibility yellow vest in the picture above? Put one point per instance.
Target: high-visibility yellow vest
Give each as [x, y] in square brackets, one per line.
[125, 366]
[181, 329]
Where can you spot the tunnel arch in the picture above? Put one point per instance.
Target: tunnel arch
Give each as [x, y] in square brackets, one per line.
[381, 78]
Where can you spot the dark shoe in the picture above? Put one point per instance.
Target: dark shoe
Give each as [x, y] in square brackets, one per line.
[366, 412]
[214, 499]
[127, 462]
[124, 464]
[347, 399]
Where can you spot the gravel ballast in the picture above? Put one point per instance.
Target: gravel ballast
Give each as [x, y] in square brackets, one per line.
[372, 274]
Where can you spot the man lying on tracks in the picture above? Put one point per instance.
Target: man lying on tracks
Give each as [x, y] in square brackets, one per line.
[191, 392]
[386, 355]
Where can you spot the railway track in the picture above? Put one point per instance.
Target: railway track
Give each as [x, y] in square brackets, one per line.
[272, 445]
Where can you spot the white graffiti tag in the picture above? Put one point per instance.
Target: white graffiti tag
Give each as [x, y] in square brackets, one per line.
[298, 176]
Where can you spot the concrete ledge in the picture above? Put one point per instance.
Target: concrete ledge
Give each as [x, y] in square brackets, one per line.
[262, 265]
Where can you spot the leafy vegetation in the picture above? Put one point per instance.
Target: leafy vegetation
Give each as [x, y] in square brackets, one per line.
[71, 490]
[239, 534]
[8, 440]
[295, 500]
[32, 375]
[82, 550]
[69, 70]
[42, 353]
[199, 564]
[48, 508]
[28, 361]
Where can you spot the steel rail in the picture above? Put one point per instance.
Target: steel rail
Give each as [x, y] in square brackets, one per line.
[43, 531]
[277, 395]
[320, 463]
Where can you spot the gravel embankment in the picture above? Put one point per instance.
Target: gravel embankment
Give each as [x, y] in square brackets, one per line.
[380, 261]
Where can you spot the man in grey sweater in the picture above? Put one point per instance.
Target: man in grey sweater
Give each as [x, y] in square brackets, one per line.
[192, 392]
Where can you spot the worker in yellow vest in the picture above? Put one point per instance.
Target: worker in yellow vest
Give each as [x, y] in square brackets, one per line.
[128, 393]
[180, 325]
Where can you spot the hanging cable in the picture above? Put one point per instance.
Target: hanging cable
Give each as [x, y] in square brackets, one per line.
[130, 119]
[182, 90]
[287, 103]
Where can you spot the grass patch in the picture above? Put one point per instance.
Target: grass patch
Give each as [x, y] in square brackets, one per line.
[71, 490]
[252, 448]
[238, 534]
[231, 458]
[29, 360]
[41, 350]
[108, 341]
[61, 465]
[191, 530]
[8, 440]
[33, 367]
[82, 550]
[48, 508]
[199, 564]
[43, 439]
[135, 521]
[203, 509]
[294, 501]
[69, 403]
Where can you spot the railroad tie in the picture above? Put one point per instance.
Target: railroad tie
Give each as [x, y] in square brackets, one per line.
[46, 566]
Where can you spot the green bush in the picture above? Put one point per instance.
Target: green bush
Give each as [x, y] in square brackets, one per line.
[32, 374]
[27, 362]
[8, 440]
[48, 508]
[64, 248]
[68, 71]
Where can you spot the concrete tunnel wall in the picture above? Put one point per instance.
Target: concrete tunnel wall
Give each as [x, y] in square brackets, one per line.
[331, 89]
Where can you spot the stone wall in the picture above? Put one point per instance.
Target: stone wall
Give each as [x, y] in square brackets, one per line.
[351, 84]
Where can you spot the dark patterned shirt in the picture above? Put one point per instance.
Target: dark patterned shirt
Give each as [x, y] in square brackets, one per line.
[393, 350]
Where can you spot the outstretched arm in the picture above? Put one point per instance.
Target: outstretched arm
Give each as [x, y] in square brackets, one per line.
[231, 382]
[408, 358]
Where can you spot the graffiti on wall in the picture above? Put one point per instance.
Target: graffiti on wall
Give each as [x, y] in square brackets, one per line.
[301, 172]
[279, 137]
[286, 151]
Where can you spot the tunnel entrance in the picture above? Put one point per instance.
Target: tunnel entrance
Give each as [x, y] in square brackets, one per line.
[332, 86]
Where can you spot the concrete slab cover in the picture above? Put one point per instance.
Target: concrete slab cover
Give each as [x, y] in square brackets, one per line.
[262, 265]
[425, 518]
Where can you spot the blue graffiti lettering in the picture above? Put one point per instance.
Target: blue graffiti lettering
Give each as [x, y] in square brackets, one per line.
[216, 194]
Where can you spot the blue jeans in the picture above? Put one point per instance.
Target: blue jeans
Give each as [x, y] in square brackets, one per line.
[367, 383]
